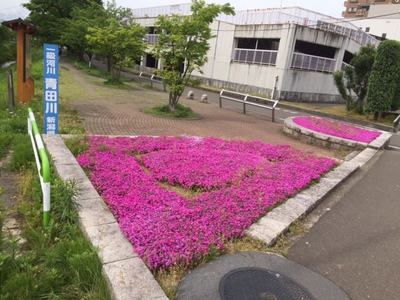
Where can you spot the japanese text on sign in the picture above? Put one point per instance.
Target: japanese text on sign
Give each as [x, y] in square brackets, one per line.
[50, 89]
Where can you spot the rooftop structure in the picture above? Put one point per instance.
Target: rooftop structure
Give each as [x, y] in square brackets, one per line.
[361, 8]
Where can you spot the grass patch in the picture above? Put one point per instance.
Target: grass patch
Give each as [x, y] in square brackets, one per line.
[70, 90]
[94, 71]
[56, 262]
[181, 112]
[77, 145]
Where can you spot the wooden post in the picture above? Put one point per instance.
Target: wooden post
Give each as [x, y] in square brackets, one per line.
[11, 100]
[25, 83]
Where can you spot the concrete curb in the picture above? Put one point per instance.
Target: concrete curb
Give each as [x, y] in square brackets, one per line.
[278, 221]
[324, 140]
[126, 273]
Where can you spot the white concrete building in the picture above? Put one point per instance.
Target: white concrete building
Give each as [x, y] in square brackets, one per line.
[292, 49]
[383, 21]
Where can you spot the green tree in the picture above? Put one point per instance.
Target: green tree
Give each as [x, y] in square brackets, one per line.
[76, 29]
[383, 88]
[355, 78]
[49, 16]
[122, 14]
[8, 49]
[183, 44]
[121, 45]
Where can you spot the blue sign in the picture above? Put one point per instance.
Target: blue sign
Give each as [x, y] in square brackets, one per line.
[50, 89]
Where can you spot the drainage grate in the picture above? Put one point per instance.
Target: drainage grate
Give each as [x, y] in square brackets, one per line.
[260, 284]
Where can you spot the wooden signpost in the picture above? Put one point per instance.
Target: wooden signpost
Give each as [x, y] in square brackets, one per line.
[25, 82]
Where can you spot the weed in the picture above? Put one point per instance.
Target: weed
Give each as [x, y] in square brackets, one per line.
[22, 155]
[77, 145]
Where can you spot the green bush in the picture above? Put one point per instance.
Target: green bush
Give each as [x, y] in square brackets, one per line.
[181, 111]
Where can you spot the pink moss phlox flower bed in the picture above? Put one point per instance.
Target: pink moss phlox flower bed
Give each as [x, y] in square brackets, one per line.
[338, 129]
[238, 181]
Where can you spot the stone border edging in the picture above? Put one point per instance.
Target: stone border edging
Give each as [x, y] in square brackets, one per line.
[333, 142]
[127, 275]
[278, 221]
[363, 123]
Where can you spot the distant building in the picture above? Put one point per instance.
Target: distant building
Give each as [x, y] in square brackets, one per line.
[361, 8]
[293, 49]
[383, 22]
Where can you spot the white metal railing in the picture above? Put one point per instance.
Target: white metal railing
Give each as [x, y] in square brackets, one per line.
[152, 78]
[42, 163]
[396, 124]
[351, 31]
[152, 39]
[282, 15]
[253, 56]
[344, 65]
[246, 99]
[313, 63]
[154, 12]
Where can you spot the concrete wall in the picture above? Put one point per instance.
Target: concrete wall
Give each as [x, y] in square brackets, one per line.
[380, 26]
[292, 85]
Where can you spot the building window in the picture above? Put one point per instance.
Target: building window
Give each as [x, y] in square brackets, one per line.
[367, 29]
[256, 51]
[383, 36]
[352, 9]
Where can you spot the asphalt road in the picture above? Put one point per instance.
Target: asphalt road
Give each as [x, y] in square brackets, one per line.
[356, 243]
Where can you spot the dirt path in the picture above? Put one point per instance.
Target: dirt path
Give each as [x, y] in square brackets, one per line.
[112, 111]
[9, 191]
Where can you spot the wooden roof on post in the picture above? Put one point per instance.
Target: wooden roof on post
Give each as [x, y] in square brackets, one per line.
[15, 24]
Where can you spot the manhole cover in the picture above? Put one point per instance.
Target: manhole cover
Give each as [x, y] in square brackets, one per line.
[260, 284]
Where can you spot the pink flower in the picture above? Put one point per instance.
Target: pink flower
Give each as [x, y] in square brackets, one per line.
[238, 181]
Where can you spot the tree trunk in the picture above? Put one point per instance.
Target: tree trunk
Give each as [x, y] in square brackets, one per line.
[109, 65]
[173, 101]
[359, 106]
[376, 116]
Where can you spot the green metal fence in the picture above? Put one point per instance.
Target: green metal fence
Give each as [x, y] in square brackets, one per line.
[43, 165]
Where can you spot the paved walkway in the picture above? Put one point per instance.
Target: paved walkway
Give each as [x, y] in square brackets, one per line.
[365, 217]
[356, 244]
[121, 114]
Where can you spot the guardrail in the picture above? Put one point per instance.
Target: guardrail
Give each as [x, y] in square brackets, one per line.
[396, 124]
[152, 78]
[43, 165]
[247, 99]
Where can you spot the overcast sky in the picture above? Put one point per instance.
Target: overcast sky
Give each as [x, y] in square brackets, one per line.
[332, 8]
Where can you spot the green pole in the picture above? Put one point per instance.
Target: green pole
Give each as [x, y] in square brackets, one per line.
[43, 164]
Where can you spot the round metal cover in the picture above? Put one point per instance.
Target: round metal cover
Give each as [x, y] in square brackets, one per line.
[260, 284]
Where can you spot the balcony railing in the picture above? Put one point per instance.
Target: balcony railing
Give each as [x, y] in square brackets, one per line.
[282, 15]
[313, 63]
[344, 65]
[152, 39]
[355, 34]
[252, 56]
